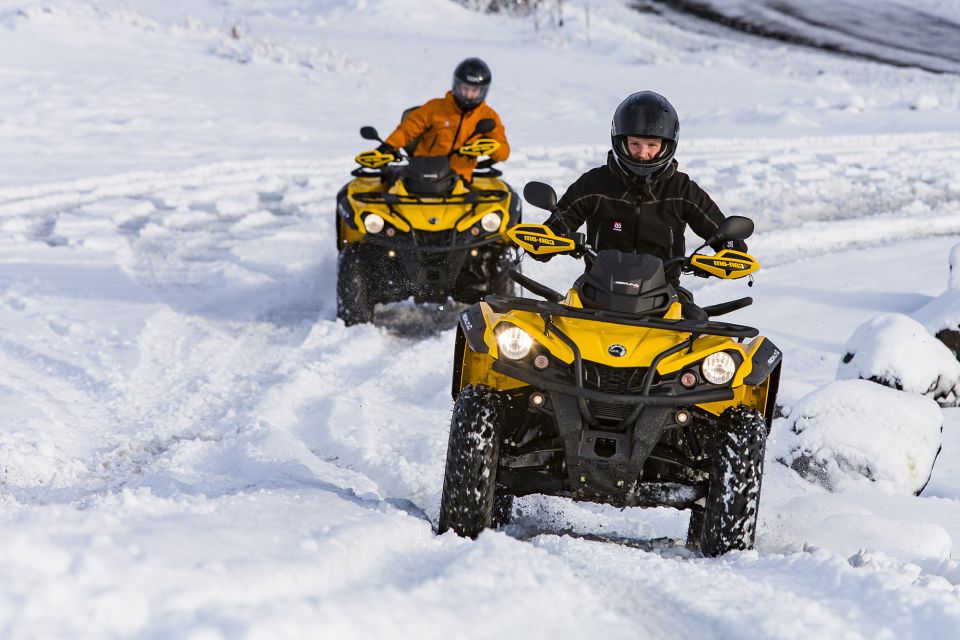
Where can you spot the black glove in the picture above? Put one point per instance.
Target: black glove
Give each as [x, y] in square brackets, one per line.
[736, 245]
[541, 258]
[385, 148]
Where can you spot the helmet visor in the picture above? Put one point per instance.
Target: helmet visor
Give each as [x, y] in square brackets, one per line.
[469, 94]
[639, 166]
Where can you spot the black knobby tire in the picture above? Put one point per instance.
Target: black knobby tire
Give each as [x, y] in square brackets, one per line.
[355, 301]
[728, 520]
[470, 478]
[502, 510]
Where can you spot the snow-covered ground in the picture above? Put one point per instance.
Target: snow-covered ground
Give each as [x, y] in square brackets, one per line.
[192, 446]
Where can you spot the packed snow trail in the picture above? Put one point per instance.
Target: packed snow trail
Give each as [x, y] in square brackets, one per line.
[183, 371]
[192, 446]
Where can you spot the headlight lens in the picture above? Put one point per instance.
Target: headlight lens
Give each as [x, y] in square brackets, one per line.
[719, 367]
[514, 342]
[373, 223]
[490, 222]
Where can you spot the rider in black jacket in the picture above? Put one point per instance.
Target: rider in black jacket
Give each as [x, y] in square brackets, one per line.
[638, 201]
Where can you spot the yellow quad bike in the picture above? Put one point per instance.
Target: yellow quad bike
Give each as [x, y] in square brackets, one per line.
[606, 394]
[410, 226]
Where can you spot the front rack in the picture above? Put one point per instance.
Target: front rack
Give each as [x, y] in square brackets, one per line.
[479, 196]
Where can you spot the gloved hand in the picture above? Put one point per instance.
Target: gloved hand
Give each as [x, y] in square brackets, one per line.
[736, 245]
[541, 258]
[385, 148]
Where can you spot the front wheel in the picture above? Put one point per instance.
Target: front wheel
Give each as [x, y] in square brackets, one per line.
[354, 299]
[470, 478]
[728, 520]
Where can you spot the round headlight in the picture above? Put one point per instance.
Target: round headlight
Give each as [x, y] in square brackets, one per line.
[373, 223]
[719, 367]
[514, 342]
[490, 222]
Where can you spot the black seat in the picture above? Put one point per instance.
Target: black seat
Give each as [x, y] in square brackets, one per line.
[412, 145]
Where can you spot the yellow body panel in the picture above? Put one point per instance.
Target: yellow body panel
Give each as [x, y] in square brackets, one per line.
[478, 369]
[594, 338]
[425, 217]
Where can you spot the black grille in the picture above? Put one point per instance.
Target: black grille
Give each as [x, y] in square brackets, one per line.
[435, 238]
[621, 380]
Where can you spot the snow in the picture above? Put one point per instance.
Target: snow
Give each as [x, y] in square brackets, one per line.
[897, 351]
[851, 431]
[192, 446]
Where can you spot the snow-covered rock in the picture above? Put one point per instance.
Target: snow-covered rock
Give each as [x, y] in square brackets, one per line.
[853, 434]
[953, 281]
[941, 316]
[897, 351]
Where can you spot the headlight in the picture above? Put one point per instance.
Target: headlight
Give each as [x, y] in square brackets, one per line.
[490, 222]
[514, 342]
[719, 367]
[373, 223]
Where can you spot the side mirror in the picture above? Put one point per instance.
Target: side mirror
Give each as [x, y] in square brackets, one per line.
[540, 195]
[486, 125]
[735, 228]
[369, 133]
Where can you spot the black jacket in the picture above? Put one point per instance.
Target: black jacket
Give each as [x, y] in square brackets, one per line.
[626, 213]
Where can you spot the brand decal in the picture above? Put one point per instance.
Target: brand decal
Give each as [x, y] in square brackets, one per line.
[433, 220]
[773, 358]
[632, 285]
[465, 319]
[538, 240]
[617, 350]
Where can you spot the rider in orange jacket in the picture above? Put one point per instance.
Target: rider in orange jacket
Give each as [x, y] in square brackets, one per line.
[445, 124]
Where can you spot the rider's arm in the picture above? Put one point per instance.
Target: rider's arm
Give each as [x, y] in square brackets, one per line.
[576, 205]
[701, 212]
[500, 135]
[412, 126]
[704, 216]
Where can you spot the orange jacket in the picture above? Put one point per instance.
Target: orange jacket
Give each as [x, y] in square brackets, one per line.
[443, 128]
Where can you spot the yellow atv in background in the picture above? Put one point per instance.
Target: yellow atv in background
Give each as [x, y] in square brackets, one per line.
[606, 394]
[411, 226]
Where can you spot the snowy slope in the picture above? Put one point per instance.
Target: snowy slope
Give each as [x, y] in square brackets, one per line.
[192, 446]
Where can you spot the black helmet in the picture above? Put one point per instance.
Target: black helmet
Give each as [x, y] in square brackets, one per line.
[472, 72]
[648, 115]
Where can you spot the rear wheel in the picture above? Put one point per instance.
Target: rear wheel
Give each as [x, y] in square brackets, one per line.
[470, 478]
[728, 520]
[354, 299]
